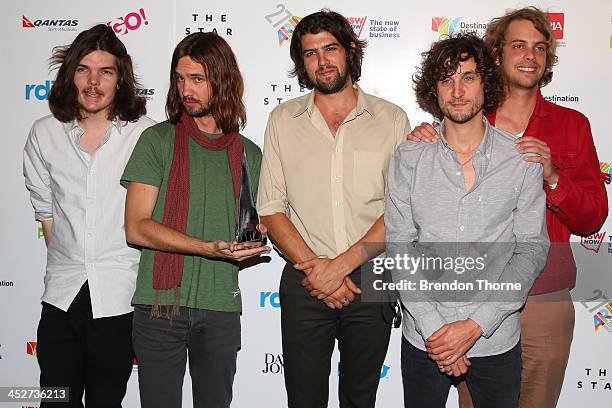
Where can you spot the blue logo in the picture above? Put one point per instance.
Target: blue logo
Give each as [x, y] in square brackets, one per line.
[267, 299]
[384, 372]
[38, 91]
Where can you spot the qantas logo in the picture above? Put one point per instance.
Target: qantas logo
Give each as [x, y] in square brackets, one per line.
[31, 348]
[25, 23]
[51, 24]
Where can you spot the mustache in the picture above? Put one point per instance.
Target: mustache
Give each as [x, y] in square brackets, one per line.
[326, 67]
[94, 89]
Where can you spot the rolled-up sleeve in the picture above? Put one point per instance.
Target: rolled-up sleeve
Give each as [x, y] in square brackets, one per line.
[272, 191]
[37, 178]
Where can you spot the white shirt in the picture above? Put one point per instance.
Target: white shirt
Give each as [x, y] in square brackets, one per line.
[81, 193]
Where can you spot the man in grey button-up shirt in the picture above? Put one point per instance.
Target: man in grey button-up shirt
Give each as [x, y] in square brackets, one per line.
[473, 192]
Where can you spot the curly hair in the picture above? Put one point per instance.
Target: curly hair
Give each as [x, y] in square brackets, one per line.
[496, 31]
[223, 74]
[63, 101]
[443, 60]
[336, 25]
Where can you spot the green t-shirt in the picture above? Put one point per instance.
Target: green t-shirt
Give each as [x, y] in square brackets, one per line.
[206, 283]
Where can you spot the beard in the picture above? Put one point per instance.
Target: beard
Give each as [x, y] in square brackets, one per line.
[335, 85]
[197, 112]
[462, 117]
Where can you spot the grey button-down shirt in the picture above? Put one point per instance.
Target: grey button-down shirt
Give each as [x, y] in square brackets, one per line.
[502, 216]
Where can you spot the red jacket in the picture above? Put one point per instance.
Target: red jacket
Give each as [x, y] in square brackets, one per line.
[579, 204]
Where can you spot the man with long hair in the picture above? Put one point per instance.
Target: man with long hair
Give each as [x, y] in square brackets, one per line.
[73, 161]
[468, 197]
[560, 139]
[184, 182]
[321, 197]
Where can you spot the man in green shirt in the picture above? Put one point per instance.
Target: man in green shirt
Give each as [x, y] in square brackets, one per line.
[183, 183]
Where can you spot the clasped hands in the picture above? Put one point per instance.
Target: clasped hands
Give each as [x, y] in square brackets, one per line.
[326, 281]
[448, 346]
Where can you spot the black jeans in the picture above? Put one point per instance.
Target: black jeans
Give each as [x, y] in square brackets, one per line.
[210, 338]
[493, 381]
[85, 354]
[309, 330]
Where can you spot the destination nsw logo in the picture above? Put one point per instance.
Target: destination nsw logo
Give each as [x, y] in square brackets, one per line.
[454, 25]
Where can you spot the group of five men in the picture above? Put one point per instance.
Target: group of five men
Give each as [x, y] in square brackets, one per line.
[327, 203]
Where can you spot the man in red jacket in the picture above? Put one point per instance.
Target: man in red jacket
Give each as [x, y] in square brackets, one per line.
[560, 139]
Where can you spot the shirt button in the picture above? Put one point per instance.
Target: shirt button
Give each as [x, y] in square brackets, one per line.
[458, 173]
[461, 227]
[337, 203]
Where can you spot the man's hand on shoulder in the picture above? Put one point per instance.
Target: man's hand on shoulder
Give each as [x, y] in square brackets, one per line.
[425, 133]
[537, 151]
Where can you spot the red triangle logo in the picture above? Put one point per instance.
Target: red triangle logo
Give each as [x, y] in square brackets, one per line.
[25, 23]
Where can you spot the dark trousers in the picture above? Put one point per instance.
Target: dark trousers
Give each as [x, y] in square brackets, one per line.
[493, 381]
[211, 339]
[85, 354]
[309, 330]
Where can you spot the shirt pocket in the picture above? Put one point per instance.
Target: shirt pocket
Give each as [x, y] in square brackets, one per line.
[564, 161]
[496, 209]
[369, 174]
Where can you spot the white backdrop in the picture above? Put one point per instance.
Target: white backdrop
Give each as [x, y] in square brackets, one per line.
[397, 32]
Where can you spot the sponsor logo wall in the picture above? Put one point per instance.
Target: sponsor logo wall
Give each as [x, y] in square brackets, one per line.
[260, 33]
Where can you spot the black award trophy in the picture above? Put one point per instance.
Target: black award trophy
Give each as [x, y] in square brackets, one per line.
[247, 213]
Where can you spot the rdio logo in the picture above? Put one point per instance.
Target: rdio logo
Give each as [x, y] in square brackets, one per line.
[272, 298]
[41, 91]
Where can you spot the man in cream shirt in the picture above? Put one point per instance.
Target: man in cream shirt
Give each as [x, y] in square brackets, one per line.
[321, 196]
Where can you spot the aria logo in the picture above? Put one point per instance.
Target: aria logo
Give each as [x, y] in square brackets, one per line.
[606, 171]
[557, 23]
[31, 348]
[51, 25]
[286, 22]
[602, 311]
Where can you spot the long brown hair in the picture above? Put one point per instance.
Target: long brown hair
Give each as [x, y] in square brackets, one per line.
[63, 95]
[223, 74]
[496, 32]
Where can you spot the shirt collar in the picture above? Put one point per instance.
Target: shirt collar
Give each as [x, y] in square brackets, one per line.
[69, 127]
[485, 146]
[364, 103]
[541, 109]
[73, 129]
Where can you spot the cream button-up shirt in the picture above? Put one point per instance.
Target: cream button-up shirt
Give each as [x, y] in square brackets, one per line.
[331, 188]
